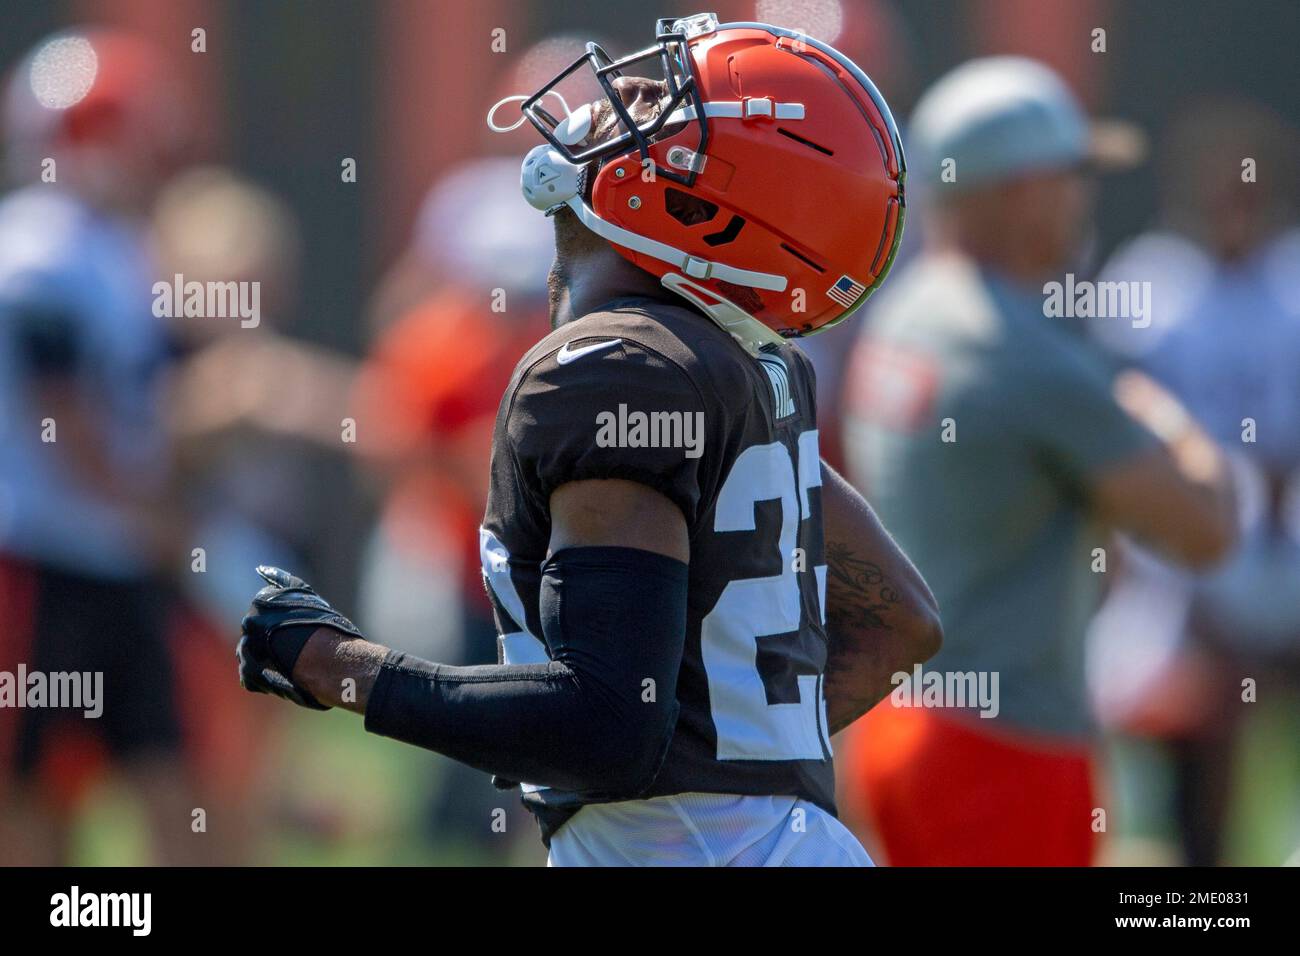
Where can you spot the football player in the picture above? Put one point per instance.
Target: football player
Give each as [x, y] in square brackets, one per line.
[690, 603]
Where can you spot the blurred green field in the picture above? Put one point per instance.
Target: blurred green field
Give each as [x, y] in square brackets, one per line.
[342, 797]
[338, 797]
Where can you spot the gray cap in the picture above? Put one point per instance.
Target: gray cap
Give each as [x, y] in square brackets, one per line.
[999, 117]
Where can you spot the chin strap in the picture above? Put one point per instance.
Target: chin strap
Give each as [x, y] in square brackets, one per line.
[549, 180]
[731, 318]
[693, 266]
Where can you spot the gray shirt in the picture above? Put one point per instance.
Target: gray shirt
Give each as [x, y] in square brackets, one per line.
[997, 517]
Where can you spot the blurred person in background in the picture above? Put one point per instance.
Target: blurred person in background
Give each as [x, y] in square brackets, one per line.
[238, 395]
[429, 393]
[86, 531]
[998, 446]
[1224, 337]
[240, 392]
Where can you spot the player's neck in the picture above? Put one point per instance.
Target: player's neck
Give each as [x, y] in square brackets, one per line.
[597, 280]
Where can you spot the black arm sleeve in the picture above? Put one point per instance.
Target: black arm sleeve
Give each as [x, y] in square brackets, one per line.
[597, 719]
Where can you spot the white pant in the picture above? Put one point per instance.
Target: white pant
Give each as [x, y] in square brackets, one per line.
[706, 829]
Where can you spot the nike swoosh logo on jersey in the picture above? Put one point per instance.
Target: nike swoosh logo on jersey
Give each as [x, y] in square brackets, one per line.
[567, 355]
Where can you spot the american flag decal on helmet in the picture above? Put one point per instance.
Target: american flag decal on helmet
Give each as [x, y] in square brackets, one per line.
[846, 291]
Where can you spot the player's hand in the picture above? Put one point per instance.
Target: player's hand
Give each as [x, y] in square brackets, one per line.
[283, 616]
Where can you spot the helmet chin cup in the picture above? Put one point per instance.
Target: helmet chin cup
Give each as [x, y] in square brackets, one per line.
[575, 127]
[547, 179]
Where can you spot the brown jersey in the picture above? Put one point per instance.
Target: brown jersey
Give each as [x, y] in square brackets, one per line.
[656, 393]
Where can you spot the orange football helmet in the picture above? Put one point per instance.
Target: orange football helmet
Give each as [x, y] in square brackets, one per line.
[789, 155]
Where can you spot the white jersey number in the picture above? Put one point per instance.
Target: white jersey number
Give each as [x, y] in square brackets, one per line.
[748, 727]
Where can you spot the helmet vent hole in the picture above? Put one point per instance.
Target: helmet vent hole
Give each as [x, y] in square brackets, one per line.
[687, 209]
[807, 142]
[801, 257]
[726, 235]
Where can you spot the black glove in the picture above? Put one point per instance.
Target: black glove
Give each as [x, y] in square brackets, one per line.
[284, 615]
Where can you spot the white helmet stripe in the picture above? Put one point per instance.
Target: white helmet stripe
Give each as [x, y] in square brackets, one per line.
[738, 109]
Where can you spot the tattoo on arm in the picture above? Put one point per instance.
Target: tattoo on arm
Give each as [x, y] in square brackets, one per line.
[881, 618]
[859, 599]
[863, 594]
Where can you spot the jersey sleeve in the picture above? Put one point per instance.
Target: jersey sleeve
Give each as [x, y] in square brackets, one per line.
[623, 411]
